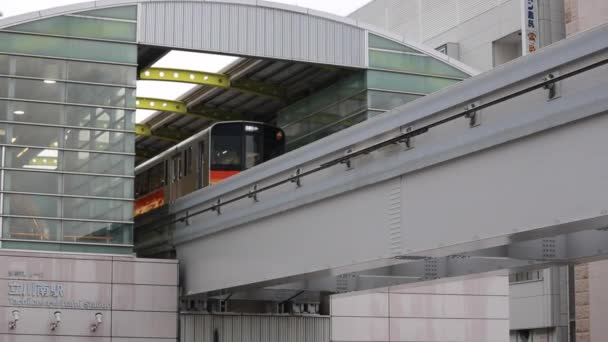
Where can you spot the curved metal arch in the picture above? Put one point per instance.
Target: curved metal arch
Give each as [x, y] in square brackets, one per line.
[252, 28]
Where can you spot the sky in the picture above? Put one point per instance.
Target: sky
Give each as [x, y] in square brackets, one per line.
[205, 62]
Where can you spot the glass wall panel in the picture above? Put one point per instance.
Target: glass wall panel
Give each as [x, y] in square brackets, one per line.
[100, 118]
[29, 135]
[88, 162]
[98, 186]
[100, 95]
[4, 87]
[83, 139]
[4, 65]
[333, 94]
[33, 112]
[388, 100]
[378, 42]
[55, 69]
[32, 205]
[97, 232]
[80, 27]
[124, 12]
[329, 129]
[102, 73]
[97, 209]
[37, 90]
[38, 67]
[406, 83]
[31, 229]
[46, 113]
[32, 158]
[68, 48]
[412, 63]
[36, 182]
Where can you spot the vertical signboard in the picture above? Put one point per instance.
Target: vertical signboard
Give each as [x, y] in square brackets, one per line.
[529, 27]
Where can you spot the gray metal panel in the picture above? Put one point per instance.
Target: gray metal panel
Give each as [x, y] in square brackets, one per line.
[253, 31]
[462, 188]
[254, 328]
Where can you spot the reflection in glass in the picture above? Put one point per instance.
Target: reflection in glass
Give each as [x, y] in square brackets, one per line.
[97, 209]
[100, 95]
[101, 73]
[37, 90]
[80, 27]
[83, 139]
[39, 67]
[33, 135]
[68, 47]
[32, 205]
[97, 232]
[100, 117]
[124, 12]
[389, 100]
[98, 186]
[36, 182]
[32, 158]
[43, 113]
[88, 162]
[31, 229]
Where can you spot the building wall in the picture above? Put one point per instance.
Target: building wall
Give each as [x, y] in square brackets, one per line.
[67, 104]
[474, 25]
[196, 327]
[136, 297]
[585, 14]
[539, 305]
[474, 309]
[591, 318]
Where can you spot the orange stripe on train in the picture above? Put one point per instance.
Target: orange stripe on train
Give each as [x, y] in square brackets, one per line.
[218, 176]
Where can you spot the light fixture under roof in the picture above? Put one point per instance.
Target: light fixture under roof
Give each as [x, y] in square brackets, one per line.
[49, 81]
[19, 112]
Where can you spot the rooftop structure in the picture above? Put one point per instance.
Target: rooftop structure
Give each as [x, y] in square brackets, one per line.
[68, 98]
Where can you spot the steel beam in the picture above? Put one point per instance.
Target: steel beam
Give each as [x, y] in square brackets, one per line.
[167, 134]
[213, 80]
[186, 76]
[180, 107]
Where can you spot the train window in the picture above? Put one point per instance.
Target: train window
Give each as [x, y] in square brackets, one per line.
[253, 150]
[142, 185]
[188, 161]
[157, 176]
[226, 154]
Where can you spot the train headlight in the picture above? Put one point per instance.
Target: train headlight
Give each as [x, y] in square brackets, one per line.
[249, 128]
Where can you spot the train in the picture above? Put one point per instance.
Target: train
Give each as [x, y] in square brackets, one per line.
[206, 158]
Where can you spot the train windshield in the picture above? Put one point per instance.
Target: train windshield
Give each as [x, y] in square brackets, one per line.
[240, 146]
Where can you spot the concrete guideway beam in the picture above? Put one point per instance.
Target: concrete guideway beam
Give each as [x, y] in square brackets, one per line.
[213, 80]
[456, 188]
[583, 246]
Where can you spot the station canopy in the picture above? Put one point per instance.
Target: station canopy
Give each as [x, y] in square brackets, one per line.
[311, 73]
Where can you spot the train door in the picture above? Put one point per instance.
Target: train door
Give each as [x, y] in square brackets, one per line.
[176, 175]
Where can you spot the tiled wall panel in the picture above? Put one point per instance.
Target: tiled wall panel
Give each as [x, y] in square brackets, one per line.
[466, 309]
